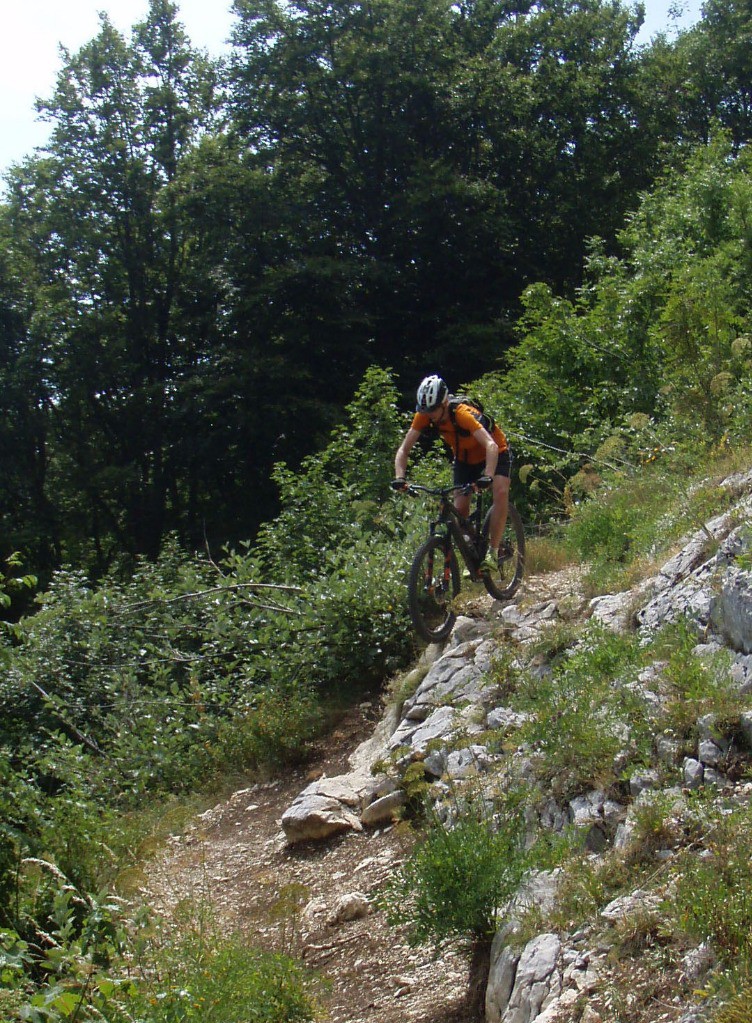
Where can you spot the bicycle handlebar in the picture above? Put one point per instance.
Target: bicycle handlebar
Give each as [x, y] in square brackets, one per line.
[416, 488]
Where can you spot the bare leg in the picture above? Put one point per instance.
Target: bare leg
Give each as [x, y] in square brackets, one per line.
[498, 511]
[462, 504]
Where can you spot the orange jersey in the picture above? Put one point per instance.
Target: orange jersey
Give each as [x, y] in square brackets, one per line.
[458, 433]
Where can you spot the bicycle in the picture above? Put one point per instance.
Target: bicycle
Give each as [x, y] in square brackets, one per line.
[435, 580]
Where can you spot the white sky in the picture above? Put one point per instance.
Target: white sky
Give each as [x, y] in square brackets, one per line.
[32, 31]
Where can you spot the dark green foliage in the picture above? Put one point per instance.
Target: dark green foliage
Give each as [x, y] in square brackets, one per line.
[207, 259]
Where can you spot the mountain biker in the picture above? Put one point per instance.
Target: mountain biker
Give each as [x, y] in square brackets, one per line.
[480, 458]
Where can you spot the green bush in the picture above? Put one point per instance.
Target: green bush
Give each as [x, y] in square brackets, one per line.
[95, 968]
[275, 730]
[339, 493]
[128, 672]
[71, 969]
[221, 981]
[650, 359]
[605, 531]
[624, 522]
[458, 878]
[192, 669]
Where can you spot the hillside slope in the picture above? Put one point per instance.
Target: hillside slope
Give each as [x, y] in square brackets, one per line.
[606, 939]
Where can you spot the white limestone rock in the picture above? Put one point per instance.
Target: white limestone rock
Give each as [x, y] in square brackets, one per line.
[313, 817]
[350, 906]
[731, 612]
[523, 984]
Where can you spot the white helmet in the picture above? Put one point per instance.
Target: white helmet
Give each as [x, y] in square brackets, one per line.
[431, 393]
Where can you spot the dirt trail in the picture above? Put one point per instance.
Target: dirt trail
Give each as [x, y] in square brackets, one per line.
[234, 857]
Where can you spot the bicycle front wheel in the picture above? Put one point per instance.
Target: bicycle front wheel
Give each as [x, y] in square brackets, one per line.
[433, 584]
[505, 582]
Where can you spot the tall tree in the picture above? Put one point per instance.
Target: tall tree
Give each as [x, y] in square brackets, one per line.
[100, 221]
[554, 110]
[349, 106]
[700, 81]
[26, 515]
[718, 58]
[440, 156]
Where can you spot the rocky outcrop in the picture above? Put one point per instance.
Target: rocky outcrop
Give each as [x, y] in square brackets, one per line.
[451, 699]
[345, 802]
[348, 802]
[444, 703]
[686, 585]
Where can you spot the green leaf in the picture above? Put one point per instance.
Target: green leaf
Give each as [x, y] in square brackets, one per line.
[67, 1003]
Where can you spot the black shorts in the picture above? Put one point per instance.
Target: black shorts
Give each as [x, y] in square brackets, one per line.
[467, 472]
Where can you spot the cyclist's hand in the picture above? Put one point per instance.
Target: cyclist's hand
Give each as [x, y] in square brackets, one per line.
[483, 482]
[399, 484]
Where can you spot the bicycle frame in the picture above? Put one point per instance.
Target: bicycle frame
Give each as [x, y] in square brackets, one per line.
[455, 528]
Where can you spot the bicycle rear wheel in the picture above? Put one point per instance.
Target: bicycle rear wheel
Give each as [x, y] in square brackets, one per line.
[433, 584]
[505, 582]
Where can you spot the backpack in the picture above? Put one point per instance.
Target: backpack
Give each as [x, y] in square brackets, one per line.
[486, 421]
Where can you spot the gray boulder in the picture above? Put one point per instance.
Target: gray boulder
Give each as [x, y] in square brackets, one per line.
[522, 984]
[731, 610]
[313, 817]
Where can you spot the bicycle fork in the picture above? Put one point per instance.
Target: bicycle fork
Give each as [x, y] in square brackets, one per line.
[430, 581]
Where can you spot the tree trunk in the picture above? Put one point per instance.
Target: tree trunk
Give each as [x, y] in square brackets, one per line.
[477, 981]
